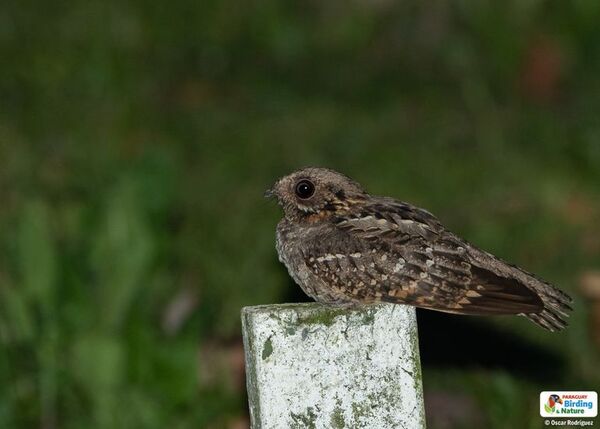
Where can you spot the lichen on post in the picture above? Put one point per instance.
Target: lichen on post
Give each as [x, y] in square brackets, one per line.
[318, 366]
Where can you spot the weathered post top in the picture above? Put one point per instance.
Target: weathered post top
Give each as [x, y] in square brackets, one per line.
[316, 366]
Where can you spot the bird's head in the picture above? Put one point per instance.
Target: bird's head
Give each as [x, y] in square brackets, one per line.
[314, 194]
[553, 399]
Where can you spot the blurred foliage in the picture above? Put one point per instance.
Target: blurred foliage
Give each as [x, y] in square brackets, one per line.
[136, 140]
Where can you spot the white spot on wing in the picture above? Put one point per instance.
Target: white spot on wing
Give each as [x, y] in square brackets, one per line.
[399, 265]
[327, 257]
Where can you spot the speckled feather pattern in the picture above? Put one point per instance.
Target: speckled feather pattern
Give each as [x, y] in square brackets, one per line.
[344, 246]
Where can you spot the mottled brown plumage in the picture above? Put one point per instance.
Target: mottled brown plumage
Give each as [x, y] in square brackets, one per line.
[344, 246]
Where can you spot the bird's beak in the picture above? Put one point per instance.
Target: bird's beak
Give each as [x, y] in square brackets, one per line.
[559, 400]
[269, 193]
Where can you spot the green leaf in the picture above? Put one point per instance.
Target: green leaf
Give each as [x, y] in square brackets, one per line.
[121, 256]
[17, 315]
[37, 255]
[99, 366]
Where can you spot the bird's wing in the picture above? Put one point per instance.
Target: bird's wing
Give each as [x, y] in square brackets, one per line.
[391, 220]
[395, 252]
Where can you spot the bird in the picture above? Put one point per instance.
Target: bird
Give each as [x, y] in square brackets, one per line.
[553, 400]
[346, 247]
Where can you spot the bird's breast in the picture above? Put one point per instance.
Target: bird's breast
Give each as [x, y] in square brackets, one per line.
[290, 242]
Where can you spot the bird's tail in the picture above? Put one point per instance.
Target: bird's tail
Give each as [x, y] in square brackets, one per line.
[556, 307]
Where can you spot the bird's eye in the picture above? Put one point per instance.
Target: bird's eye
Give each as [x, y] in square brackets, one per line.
[305, 189]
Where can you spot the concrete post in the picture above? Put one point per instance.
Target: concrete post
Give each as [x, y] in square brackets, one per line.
[316, 366]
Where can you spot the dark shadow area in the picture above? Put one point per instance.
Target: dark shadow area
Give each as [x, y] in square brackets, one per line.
[464, 342]
[293, 292]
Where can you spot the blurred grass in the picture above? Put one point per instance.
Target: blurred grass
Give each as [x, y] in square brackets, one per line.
[136, 140]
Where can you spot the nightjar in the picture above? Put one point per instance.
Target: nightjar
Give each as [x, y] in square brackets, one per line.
[345, 246]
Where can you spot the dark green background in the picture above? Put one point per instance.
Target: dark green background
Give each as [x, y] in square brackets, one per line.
[136, 140]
